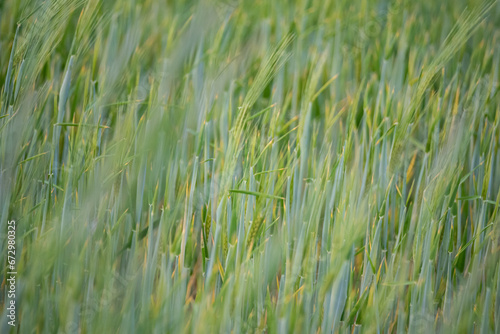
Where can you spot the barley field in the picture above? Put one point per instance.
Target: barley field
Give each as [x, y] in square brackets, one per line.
[224, 166]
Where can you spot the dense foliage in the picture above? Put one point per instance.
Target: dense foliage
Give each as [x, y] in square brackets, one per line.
[251, 166]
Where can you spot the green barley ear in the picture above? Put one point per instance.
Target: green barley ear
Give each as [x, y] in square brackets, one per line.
[225, 244]
[252, 233]
[7, 88]
[268, 70]
[207, 218]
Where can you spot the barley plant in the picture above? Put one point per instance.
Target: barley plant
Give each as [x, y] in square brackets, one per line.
[306, 166]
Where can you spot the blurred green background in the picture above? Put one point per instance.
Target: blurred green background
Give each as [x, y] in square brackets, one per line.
[251, 166]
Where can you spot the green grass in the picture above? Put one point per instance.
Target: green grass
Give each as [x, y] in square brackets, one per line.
[307, 166]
